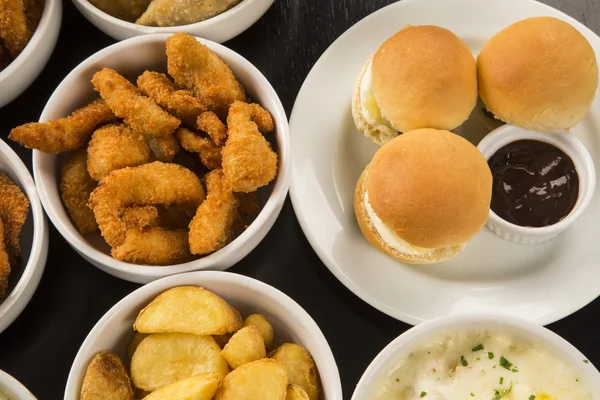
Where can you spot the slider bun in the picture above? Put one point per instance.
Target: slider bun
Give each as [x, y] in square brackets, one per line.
[379, 136]
[432, 187]
[371, 234]
[540, 74]
[424, 77]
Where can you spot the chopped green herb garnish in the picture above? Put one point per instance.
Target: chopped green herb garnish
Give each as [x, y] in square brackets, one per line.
[504, 363]
[498, 394]
[472, 394]
[423, 394]
[514, 370]
[532, 397]
[477, 359]
[479, 347]
[490, 355]
[397, 379]
[501, 380]
[586, 361]
[463, 361]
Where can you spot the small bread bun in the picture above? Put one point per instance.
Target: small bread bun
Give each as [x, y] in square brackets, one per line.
[431, 187]
[540, 74]
[424, 77]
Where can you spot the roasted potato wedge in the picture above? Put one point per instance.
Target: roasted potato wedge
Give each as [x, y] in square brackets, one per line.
[246, 345]
[188, 309]
[295, 392]
[264, 327]
[135, 342]
[165, 358]
[198, 387]
[263, 379]
[222, 340]
[106, 379]
[300, 367]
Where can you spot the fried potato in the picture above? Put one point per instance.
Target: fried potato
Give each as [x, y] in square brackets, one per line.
[165, 358]
[295, 392]
[135, 342]
[188, 309]
[106, 379]
[245, 346]
[300, 367]
[264, 327]
[222, 340]
[263, 379]
[199, 387]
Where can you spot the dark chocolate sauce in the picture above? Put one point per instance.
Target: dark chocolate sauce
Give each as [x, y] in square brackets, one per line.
[535, 183]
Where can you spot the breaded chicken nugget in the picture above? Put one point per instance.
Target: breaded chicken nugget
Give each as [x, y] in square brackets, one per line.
[164, 148]
[180, 103]
[209, 152]
[64, 134]
[217, 221]
[127, 10]
[76, 185]
[14, 207]
[154, 246]
[13, 26]
[247, 158]
[140, 216]
[114, 147]
[127, 102]
[148, 184]
[4, 265]
[211, 124]
[196, 68]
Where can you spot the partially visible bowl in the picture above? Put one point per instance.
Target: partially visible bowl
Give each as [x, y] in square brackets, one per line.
[131, 57]
[219, 29]
[22, 71]
[431, 330]
[290, 323]
[34, 240]
[14, 388]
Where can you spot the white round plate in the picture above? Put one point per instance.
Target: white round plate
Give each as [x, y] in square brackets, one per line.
[541, 283]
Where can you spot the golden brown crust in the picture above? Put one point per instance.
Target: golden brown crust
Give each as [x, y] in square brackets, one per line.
[432, 187]
[76, 185]
[434, 87]
[14, 31]
[14, 207]
[539, 73]
[106, 378]
[4, 265]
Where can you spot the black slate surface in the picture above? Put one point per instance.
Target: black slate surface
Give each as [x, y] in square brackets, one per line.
[39, 347]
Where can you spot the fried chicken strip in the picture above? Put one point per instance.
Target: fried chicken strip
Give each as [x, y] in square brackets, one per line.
[127, 102]
[13, 26]
[180, 103]
[76, 185]
[183, 12]
[140, 217]
[211, 124]
[164, 148]
[217, 221]
[156, 183]
[247, 158]
[4, 265]
[208, 151]
[154, 246]
[64, 134]
[114, 147]
[14, 207]
[196, 68]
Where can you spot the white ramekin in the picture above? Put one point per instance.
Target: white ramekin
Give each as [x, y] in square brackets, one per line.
[584, 165]
[132, 57]
[14, 388]
[291, 323]
[422, 334]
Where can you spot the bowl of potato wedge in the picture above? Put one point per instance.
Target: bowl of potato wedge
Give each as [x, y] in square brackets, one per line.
[204, 335]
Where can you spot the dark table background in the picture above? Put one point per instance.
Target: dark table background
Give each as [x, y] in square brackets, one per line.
[39, 347]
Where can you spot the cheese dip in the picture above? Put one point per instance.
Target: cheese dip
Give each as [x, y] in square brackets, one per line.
[481, 365]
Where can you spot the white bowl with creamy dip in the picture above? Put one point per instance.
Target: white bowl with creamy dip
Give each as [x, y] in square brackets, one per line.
[480, 356]
[12, 389]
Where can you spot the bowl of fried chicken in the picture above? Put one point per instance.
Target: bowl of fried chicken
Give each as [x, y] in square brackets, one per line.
[161, 154]
[28, 33]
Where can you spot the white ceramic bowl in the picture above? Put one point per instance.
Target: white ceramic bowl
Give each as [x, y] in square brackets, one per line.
[21, 73]
[132, 57]
[34, 240]
[218, 29]
[14, 388]
[584, 165]
[290, 323]
[433, 329]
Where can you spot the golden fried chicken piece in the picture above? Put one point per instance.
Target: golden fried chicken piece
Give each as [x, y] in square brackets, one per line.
[154, 246]
[64, 134]
[13, 26]
[247, 158]
[209, 152]
[196, 68]
[180, 103]
[210, 123]
[76, 185]
[4, 265]
[127, 10]
[183, 12]
[249, 206]
[127, 102]
[217, 221]
[114, 147]
[164, 148]
[14, 207]
[140, 216]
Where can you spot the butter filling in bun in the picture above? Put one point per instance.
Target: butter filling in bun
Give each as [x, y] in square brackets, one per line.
[424, 195]
[421, 77]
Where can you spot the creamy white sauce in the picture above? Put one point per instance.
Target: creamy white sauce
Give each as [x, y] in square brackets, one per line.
[371, 111]
[455, 367]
